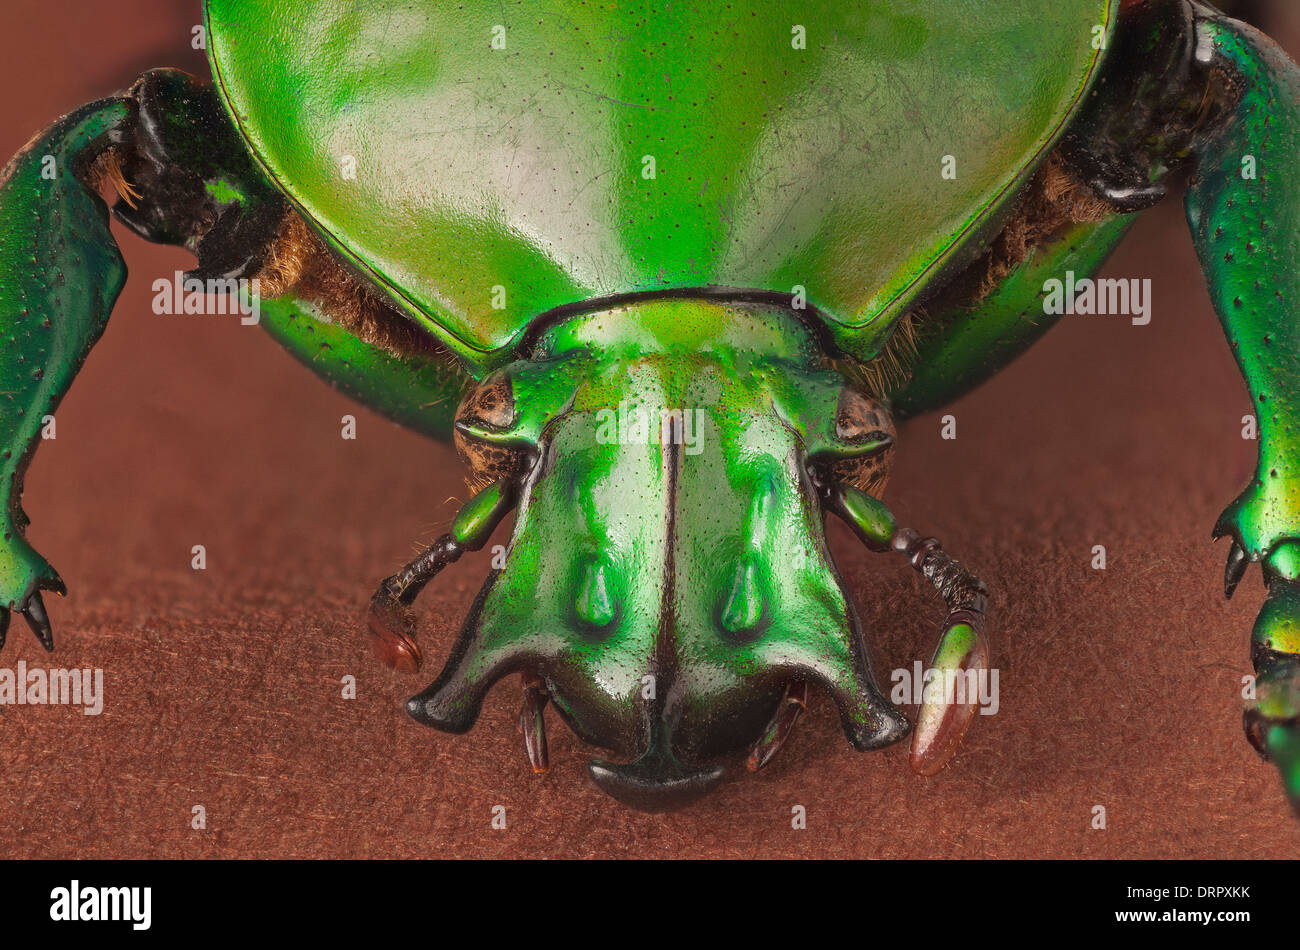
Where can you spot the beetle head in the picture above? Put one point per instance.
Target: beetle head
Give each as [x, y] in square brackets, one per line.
[668, 576]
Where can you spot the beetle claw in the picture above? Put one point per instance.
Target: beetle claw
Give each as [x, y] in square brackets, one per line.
[794, 702]
[32, 609]
[532, 723]
[1235, 569]
[36, 617]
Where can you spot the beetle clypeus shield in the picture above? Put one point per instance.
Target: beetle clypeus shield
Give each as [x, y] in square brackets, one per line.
[670, 276]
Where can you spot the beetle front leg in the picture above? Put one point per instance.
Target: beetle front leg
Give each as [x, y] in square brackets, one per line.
[1244, 209]
[1245, 218]
[60, 273]
[160, 147]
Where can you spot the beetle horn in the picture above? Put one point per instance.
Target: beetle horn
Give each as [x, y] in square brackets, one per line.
[869, 719]
[453, 701]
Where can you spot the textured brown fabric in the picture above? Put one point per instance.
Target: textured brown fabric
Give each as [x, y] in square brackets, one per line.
[1119, 687]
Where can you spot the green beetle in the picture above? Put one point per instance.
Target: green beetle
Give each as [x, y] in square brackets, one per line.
[669, 275]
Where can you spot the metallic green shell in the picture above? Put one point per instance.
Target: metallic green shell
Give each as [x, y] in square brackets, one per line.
[490, 162]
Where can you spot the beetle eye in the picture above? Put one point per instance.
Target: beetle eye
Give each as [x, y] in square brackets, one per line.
[861, 421]
[488, 410]
[490, 405]
[865, 456]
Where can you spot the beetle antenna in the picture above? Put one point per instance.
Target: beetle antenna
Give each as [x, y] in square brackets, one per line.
[390, 619]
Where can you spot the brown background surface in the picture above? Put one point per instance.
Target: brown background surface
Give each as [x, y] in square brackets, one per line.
[1119, 688]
